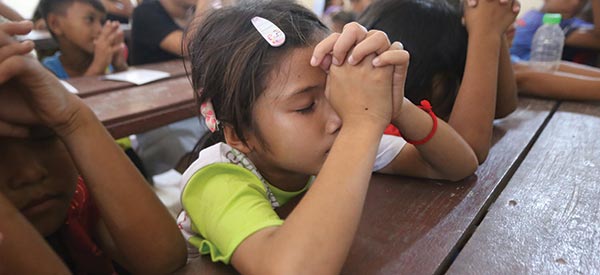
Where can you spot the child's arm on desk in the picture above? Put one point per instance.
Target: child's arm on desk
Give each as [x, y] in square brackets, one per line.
[475, 106]
[132, 213]
[587, 38]
[571, 82]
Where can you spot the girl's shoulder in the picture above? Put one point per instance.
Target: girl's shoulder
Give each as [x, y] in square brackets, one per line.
[220, 157]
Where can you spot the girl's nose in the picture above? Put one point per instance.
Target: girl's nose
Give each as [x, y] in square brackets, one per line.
[333, 120]
[25, 169]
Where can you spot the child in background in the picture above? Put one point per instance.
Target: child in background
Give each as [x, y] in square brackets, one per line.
[49, 137]
[87, 45]
[157, 28]
[464, 70]
[284, 127]
[571, 81]
[337, 20]
[580, 36]
[118, 10]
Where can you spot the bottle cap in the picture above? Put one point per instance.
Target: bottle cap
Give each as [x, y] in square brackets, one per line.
[552, 18]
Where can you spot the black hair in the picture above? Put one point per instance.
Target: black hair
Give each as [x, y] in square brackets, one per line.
[432, 32]
[46, 7]
[231, 61]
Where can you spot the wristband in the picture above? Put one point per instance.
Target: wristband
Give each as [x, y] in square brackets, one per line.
[426, 106]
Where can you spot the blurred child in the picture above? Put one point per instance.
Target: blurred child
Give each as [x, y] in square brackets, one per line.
[337, 20]
[579, 35]
[464, 70]
[49, 139]
[284, 127]
[157, 28]
[38, 20]
[571, 81]
[88, 45]
[118, 10]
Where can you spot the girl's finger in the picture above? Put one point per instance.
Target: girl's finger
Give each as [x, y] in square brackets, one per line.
[352, 34]
[10, 67]
[376, 42]
[17, 28]
[396, 55]
[326, 63]
[324, 48]
[16, 49]
[9, 130]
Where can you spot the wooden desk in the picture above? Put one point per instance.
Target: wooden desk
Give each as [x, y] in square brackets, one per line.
[138, 109]
[91, 85]
[412, 226]
[547, 220]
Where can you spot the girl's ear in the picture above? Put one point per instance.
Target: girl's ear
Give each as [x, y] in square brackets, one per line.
[232, 139]
[54, 24]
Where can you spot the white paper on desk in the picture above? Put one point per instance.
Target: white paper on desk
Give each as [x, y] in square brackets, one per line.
[137, 76]
[69, 87]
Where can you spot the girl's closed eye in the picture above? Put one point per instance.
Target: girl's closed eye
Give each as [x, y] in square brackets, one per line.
[308, 109]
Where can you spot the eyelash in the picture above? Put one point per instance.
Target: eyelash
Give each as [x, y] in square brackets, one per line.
[308, 109]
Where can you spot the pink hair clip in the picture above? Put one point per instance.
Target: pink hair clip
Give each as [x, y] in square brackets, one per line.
[269, 31]
[210, 118]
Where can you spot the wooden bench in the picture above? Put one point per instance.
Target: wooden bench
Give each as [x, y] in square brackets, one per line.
[414, 226]
[547, 220]
[141, 108]
[91, 85]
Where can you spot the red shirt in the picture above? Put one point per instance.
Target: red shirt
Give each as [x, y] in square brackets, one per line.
[78, 232]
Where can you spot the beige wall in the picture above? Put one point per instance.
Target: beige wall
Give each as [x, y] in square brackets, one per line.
[530, 4]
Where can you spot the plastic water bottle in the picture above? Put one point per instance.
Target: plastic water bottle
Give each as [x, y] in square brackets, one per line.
[547, 45]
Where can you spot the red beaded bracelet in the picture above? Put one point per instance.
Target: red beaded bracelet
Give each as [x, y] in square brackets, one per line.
[426, 106]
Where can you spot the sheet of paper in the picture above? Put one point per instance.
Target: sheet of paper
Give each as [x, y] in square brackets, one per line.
[137, 76]
[69, 87]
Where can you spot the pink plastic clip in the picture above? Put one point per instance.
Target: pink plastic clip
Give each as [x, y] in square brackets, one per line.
[210, 118]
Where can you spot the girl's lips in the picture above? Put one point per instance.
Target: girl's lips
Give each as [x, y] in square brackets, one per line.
[40, 205]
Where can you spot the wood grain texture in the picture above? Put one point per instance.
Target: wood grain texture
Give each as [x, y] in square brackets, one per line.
[138, 109]
[547, 220]
[92, 85]
[414, 226]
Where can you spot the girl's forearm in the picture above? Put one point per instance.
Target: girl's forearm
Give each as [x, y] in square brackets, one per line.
[22, 248]
[558, 85]
[474, 108]
[446, 155]
[506, 98]
[329, 213]
[140, 226]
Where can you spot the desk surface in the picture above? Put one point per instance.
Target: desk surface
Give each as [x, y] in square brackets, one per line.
[547, 220]
[412, 226]
[138, 109]
[91, 85]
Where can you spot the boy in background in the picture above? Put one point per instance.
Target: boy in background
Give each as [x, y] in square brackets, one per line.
[88, 45]
[581, 38]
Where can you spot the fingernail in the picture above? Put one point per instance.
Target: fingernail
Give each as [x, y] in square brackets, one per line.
[376, 61]
[516, 9]
[472, 3]
[313, 61]
[351, 60]
[336, 61]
